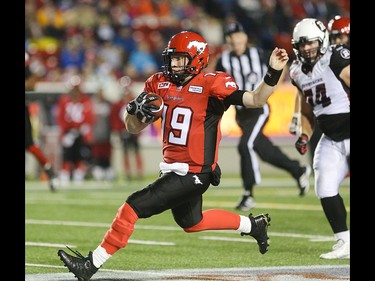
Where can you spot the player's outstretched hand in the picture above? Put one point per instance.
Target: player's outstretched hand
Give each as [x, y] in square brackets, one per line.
[278, 59]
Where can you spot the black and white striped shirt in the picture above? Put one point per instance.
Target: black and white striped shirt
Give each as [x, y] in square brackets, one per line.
[248, 70]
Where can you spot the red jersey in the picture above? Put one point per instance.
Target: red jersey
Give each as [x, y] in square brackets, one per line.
[75, 114]
[117, 114]
[191, 118]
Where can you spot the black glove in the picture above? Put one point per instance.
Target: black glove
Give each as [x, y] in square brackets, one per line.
[141, 106]
[301, 144]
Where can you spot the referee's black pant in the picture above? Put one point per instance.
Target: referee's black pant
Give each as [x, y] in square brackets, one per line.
[253, 142]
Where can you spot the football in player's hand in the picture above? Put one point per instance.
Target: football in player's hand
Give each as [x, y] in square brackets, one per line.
[157, 109]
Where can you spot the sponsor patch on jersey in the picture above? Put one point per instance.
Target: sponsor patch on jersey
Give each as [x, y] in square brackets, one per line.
[196, 89]
[164, 85]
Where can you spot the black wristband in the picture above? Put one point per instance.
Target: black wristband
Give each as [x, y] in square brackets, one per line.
[272, 76]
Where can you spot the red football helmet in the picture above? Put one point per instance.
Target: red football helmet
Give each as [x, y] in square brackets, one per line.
[191, 45]
[338, 26]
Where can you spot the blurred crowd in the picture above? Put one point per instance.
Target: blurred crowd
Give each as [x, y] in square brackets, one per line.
[103, 40]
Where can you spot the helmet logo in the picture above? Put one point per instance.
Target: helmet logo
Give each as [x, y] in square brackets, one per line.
[320, 25]
[201, 46]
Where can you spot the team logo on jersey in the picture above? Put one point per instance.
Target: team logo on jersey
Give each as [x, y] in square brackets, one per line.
[201, 46]
[164, 85]
[230, 84]
[197, 180]
[345, 53]
[196, 89]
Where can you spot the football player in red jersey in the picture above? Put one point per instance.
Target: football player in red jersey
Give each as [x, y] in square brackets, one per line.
[194, 102]
[130, 142]
[75, 118]
[30, 145]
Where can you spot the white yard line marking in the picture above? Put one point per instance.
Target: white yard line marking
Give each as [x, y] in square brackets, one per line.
[312, 238]
[48, 245]
[132, 241]
[220, 238]
[268, 206]
[144, 242]
[282, 273]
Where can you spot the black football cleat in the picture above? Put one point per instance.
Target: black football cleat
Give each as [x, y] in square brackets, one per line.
[259, 226]
[82, 267]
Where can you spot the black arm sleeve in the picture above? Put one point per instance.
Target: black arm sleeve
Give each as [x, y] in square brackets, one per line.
[340, 59]
[234, 99]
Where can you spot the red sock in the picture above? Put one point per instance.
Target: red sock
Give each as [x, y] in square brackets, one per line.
[216, 220]
[66, 166]
[121, 229]
[139, 161]
[39, 155]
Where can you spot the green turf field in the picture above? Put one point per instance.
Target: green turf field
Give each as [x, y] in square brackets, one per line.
[79, 216]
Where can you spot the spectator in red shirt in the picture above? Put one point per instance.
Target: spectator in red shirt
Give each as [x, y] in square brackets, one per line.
[30, 146]
[101, 146]
[75, 117]
[130, 142]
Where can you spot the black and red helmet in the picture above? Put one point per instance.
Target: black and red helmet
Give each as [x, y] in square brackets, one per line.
[191, 45]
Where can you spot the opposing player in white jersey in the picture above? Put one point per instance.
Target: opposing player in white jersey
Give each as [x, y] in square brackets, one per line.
[321, 73]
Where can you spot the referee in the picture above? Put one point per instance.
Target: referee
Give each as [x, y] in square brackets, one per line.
[248, 65]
